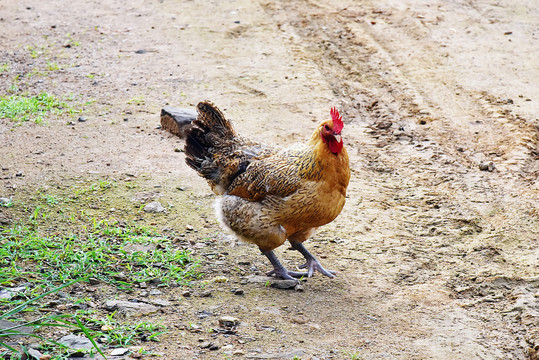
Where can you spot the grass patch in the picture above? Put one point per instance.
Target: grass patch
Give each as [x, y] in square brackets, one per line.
[6, 202]
[13, 327]
[52, 66]
[112, 331]
[24, 108]
[137, 100]
[71, 42]
[60, 243]
[35, 52]
[116, 253]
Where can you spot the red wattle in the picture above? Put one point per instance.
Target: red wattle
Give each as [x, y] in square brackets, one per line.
[334, 146]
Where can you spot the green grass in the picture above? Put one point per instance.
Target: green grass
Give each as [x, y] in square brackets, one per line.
[352, 355]
[137, 100]
[103, 249]
[52, 66]
[36, 72]
[35, 108]
[35, 52]
[71, 41]
[7, 202]
[114, 332]
[19, 327]
[60, 238]
[61, 242]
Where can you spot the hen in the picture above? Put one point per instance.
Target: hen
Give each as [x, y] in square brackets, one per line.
[270, 195]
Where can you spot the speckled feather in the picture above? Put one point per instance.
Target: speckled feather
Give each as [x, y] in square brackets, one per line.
[215, 151]
[269, 194]
[279, 174]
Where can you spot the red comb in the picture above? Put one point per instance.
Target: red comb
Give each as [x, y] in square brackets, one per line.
[337, 120]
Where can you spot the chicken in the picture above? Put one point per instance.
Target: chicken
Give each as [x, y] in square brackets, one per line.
[269, 195]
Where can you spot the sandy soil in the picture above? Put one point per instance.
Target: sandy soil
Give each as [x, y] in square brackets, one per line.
[437, 258]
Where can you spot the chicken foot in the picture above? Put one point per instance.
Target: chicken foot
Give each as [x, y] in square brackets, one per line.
[278, 268]
[312, 263]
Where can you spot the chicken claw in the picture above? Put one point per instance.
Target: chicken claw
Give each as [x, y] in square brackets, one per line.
[312, 263]
[279, 270]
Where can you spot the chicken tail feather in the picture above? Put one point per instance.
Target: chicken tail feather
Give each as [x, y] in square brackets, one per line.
[207, 144]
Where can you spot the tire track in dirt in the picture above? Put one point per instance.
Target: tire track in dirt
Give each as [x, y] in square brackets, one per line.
[444, 222]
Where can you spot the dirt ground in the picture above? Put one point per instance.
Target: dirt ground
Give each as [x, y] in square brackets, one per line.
[436, 258]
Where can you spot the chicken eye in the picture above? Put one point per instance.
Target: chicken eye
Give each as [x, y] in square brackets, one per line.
[326, 128]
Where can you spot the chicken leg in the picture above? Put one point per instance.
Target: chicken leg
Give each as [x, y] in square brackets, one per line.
[312, 263]
[278, 268]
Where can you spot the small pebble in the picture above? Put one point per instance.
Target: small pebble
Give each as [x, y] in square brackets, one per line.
[220, 279]
[120, 277]
[94, 281]
[206, 345]
[283, 284]
[206, 293]
[154, 207]
[239, 292]
[160, 302]
[107, 327]
[228, 321]
[82, 119]
[119, 352]
[487, 166]
[35, 354]
[204, 314]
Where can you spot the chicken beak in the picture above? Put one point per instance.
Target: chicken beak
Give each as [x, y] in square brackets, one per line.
[338, 137]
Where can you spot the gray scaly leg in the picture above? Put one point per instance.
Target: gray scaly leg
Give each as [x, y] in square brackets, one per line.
[278, 269]
[312, 263]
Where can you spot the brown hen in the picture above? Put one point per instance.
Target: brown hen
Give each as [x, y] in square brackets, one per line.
[269, 195]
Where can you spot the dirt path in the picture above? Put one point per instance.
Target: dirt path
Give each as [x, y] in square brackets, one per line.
[437, 259]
